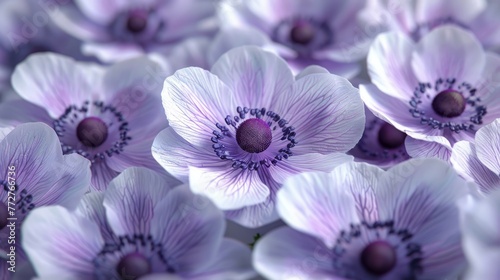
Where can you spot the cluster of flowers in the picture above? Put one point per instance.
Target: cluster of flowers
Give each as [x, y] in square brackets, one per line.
[142, 132]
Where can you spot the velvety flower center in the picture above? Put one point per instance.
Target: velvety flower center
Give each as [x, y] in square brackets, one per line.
[449, 104]
[389, 137]
[137, 22]
[302, 32]
[4, 214]
[133, 266]
[378, 257]
[254, 135]
[92, 132]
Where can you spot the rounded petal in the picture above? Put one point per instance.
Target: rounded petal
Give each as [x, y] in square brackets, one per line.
[112, 52]
[190, 227]
[70, 255]
[428, 149]
[288, 254]
[463, 11]
[313, 69]
[487, 146]
[91, 207]
[448, 52]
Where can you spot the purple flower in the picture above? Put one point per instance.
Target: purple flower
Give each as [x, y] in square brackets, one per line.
[439, 90]
[116, 30]
[480, 162]
[34, 173]
[417, 18]
[108, 115]
[238, 131]
[381, 144]
[327, 33]
[139, 226]
[360, 222]
[480, 233]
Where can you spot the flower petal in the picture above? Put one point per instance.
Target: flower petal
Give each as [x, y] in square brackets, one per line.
[428, 149]
[463, 11]
[102, 174]
[112, 52]
[71, 255]
[487, 146]
[313, 69]
[448, 52]
[91, 207]
[289, 254]
[16, 112]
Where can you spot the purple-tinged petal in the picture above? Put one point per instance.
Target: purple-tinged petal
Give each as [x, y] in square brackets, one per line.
[175, 154]
[258, 78]
[194, 101]
[487, 146]
[428, 149]
[16, 112]
[91, 207]
[191, 52]
[448, 52]
[112, 52]
[228, 188]
[313, 69]
[327, 114]
[465, 160]
[55, 82]
[131, 198]
[344, 69]
[489, 87]
[104, 12]
[389, 65]
[102, 174]
[289, 254]
[190, 227]
[463, 11]
[78, 243]
[4, 131]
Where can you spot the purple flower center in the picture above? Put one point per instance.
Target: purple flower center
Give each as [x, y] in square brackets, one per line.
[254, 135]
[378, 257]
[92, 132]
[449, 104]
[137, 21]
[302, 32]
[133, 265]
[389, 137]
[4, 214]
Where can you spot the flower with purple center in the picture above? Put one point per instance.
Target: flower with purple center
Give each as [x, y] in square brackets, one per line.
[116, 30]
[480, 226]
[140, 226]
[381, 144]
[480, 161]
[360, 222]
[323, 32]
[238, 131]
[34, 173]
[416, 18]
[438, 91]
[108, 115]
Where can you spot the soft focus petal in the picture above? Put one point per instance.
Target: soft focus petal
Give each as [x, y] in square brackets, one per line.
[16, 112]
[463, 11]
[487, 146]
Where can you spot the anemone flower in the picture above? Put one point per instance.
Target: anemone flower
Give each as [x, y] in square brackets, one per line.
[108, 115]
[34, 173]
[438, 91]
[117, 30]
[360, 222]
[238, 131]
[140, 226]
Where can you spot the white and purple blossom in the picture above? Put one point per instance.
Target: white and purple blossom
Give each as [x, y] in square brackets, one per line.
[324, 32]
[238, 131]
[34, 173]
[116, 30]
[360, 222]
[479, 161]
[108, 115]
[140, 226]
[438, 91]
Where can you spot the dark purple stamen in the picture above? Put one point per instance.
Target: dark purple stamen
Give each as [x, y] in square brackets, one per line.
[449, 104]
[254, 135]
[133, 266]
[92, 132]
[137, 21]
[302, 32]
[378, 258]
[4, 214]
[389, 137]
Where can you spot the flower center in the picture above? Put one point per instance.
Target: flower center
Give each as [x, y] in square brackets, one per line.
[133, 265]
[302, 32]
[4, 214]
[378, 257]
[137, 22]
[92, 132]
[449, 104]
[389, 137]
[254, 135]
